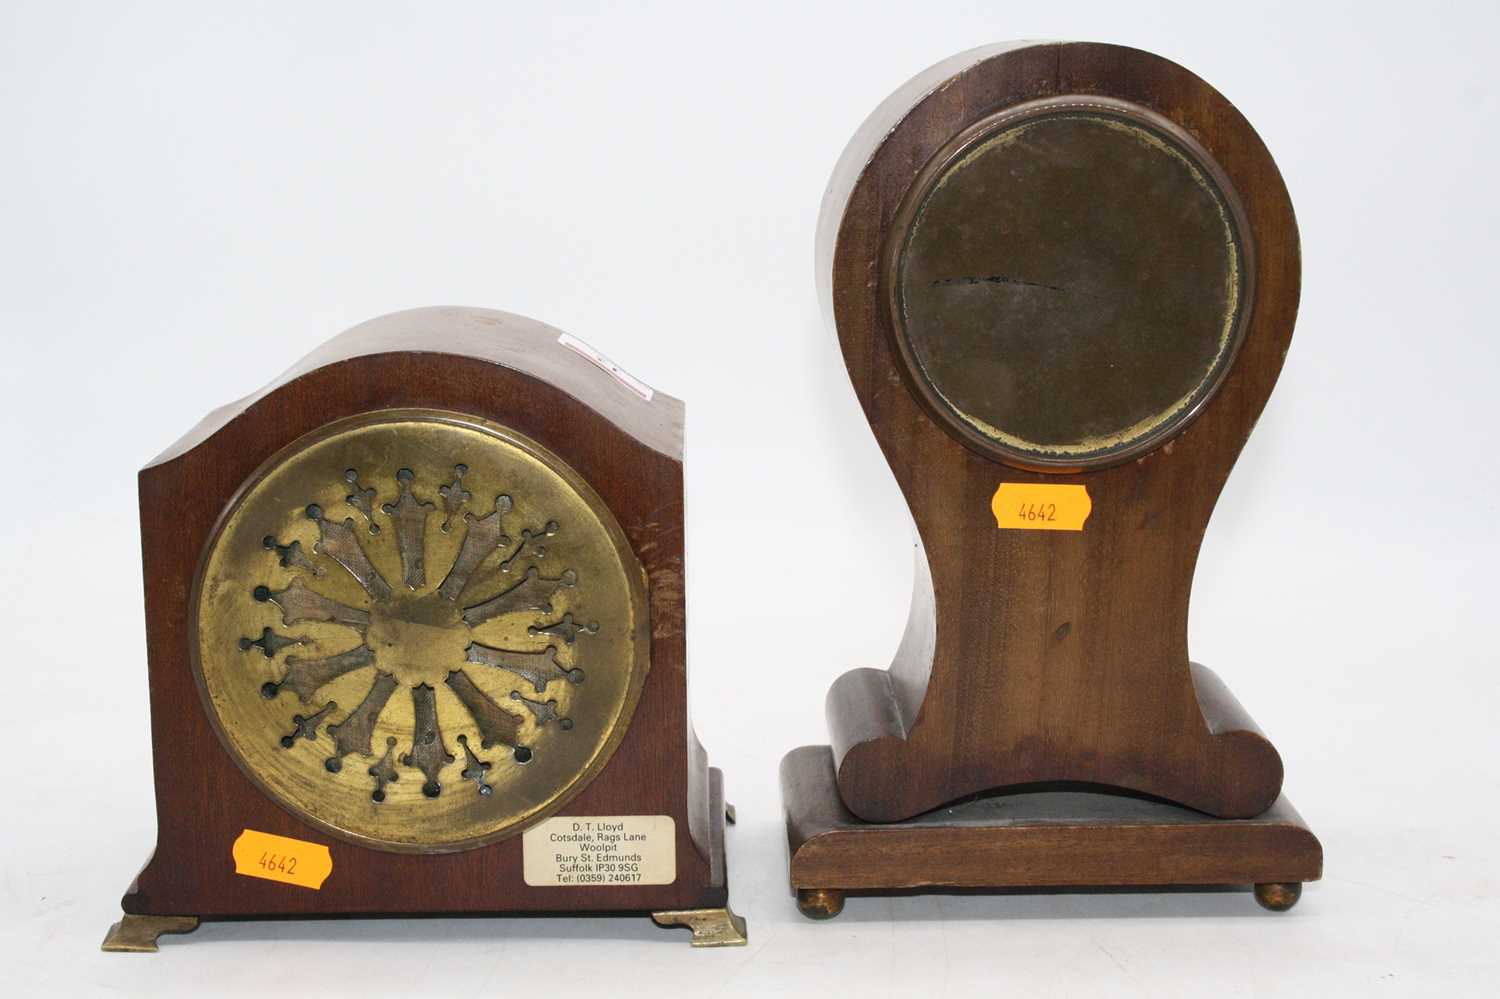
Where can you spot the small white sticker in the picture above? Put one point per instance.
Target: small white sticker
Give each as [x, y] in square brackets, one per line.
[600, 850]
[622, 376]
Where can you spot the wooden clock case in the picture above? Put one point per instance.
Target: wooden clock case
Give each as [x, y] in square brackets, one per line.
[1041, 724]
[494, 366]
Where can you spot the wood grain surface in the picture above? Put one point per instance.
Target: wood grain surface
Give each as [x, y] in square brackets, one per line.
[1047, 655]
[488, 364]
[1034, 839]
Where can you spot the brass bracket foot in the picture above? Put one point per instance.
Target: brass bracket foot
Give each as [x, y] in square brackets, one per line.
[729, 813]
[711, 927]
[137, 934]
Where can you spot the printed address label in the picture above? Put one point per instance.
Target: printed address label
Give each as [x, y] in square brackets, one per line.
[281, 858]
[600, 850]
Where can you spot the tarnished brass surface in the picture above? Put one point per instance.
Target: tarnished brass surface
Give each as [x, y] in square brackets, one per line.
[420, 631]
[137, 934]
[711, 927]
[819, 903]
[1068, 281]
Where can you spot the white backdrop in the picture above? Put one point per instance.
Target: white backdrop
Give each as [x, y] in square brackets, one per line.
[193, 195]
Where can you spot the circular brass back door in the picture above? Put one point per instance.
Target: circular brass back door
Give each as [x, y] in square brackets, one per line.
[420, 631]
[1068, 282]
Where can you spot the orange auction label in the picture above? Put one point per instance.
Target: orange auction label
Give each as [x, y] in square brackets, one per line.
[280, 858]
[1041, 506]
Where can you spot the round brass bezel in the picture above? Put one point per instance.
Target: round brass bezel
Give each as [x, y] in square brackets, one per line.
[609, 542]
[899, 233]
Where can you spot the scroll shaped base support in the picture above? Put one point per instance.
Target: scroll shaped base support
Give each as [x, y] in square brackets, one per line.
[1036, 839]
[137, 934]
[711, 927]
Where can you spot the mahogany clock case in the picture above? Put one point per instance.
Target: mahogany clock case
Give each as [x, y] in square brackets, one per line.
[1052, 265]
[503, 371]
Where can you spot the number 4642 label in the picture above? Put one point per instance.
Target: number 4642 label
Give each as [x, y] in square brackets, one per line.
[280, 858]
[1041, 506]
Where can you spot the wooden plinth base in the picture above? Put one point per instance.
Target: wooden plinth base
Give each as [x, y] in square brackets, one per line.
[1042, 839]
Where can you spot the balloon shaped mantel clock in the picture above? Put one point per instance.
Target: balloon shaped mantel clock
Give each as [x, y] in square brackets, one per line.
[1064, 277]
[416, 634]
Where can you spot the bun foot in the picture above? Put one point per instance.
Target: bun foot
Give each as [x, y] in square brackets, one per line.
[820, 903]
[1278, 896]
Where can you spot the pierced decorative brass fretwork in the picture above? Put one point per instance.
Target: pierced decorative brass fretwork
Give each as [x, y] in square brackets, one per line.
[564, 629]
[427, 754]
[299, 603]
[306, 728]
[482, 538]
[474, 768]
[410, 515]
[269, 643]
[339, 542]
[497, 727]
[533, 593]
[454, 496]
[291, 556]
[384, 772]
[543, 711]
[538, 668]
[481, 575]
[361, 499]
[352, 735]
[305, 677]
[401, 629]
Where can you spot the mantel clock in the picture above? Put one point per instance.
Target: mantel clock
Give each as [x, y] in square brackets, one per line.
[415, 629]
[1064, 278]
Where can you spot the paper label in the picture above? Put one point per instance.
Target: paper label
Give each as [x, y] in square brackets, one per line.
[1040, 506]
[622, 376]
[279, 858]
[601, 850]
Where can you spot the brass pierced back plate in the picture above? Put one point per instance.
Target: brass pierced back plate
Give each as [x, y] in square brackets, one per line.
[1067, 281]
[420, 631]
